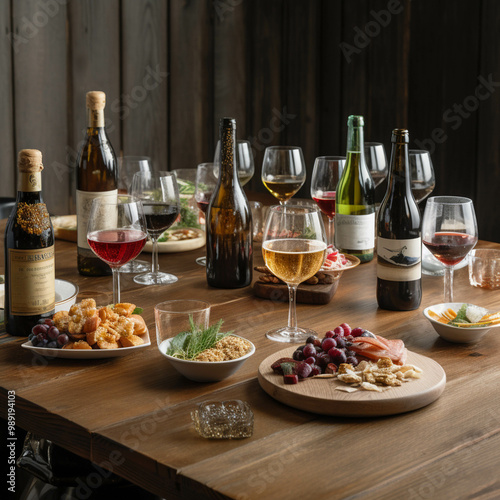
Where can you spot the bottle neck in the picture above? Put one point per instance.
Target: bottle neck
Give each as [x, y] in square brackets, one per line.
[399, 174]
[355, 140]
[95, 118]
[228, 166]
[30, 182]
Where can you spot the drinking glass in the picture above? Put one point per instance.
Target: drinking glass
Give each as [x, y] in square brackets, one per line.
[283, 171]
[160, 197]
[422, 176]
[116, 233]
[326, 174]
[376, 161]
[449, 231]
[244, 159]
[127, 167]
[293, 248]
[206, 182]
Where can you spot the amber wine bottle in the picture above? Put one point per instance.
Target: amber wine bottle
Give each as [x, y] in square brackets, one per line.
[229, 221]
[96, 177]
[29, 251]
[355, 203]
[399, 243]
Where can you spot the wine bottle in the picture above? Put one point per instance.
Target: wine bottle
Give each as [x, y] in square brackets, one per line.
[229, 221]
[355, 203]
[399, 242]
[29, 251]
[96, 176]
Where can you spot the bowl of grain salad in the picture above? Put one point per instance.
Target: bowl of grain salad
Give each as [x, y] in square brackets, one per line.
[216, 363]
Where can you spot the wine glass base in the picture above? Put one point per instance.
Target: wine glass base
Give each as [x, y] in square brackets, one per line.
[290, 335]
[136, 266]
[201, 261]
[155, 279]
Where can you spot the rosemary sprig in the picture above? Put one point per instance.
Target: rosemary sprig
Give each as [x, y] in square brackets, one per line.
[187, 345]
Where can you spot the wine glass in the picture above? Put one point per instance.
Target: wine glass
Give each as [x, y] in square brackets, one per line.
[293, 248]
[422, 176]
[116, 233]
[160, 197]
[283, 171]
[326, 174]
[127, 167]
[449, 231]
[244, 159]
[206, 182]
[376, 161]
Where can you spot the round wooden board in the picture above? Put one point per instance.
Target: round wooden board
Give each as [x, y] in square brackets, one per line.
[320, 396]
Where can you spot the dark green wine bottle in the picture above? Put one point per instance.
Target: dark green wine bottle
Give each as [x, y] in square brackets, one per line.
[229, 221]
[29, 251]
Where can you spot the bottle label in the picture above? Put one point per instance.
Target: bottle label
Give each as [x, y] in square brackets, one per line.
[30, 182]
[32, 281]
[399, 260]
[84, 201]
[355, 232]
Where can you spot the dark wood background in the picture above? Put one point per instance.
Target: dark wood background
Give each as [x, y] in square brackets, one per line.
[259, 61]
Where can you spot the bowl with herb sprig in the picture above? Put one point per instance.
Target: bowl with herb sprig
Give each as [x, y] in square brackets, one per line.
[206, 354]
[461, 323]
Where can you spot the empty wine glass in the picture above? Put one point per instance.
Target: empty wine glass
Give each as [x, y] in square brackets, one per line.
[244, 161]
[127, 167]
[376, 161]
[293, 248]
[449, 231]
[160, 197]
[116, 233]
[283, 171]
[326, 174]
[422, 176]
[206, 182]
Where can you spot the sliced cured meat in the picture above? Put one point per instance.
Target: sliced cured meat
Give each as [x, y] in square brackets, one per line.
[378, 348]
[379, 342]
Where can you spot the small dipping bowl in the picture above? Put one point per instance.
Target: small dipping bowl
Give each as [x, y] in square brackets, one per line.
[456, 334]
[484, 268]
[66, 293]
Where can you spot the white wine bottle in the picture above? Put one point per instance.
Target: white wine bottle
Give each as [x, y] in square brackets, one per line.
[399, 242]
[229, 221]
[355, 203]
[29, 251]
[96, 176]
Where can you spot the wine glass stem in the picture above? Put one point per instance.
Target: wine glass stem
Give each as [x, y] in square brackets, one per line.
[448, 284]
[154, 263]
[116, 285]
[331, 231]
[292, 310]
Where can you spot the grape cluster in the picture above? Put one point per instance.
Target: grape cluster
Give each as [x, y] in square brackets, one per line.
[325, 355]
[46, 334]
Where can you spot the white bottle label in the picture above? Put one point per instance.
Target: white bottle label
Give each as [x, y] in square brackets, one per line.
[399, 260]
[84, 201]
[355, 232]
[32, 281]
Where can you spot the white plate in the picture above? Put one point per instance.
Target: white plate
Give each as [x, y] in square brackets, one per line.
[86, 353]
[180, 245]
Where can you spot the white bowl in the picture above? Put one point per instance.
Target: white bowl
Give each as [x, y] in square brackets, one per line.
[205, 371]
[66, 293]
[457, 334]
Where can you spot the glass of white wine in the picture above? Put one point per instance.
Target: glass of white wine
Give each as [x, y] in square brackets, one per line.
[293, 247]
[244, 159]
[283, 171]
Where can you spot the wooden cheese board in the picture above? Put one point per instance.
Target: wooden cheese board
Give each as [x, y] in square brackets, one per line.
[306, 294]
[318, 395]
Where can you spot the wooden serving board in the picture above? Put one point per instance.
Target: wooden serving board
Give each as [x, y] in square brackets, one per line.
[306, 294]
[319, 395]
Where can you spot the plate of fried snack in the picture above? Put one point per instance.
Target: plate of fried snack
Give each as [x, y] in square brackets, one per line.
[87, 331]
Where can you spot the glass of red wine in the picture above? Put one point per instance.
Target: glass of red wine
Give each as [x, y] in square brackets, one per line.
[449, 231]
[117, 233]
[205, 184]
[159, 194]
[326, 174]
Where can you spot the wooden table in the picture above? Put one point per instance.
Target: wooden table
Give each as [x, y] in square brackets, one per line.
[132, 414]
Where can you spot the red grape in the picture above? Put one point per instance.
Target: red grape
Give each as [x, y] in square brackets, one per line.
[346, 328]
[338, 356]
[309, 350]
[63, 339]
[39, 329]
[338, 331]
[53, 333]
[304, 370]
[328, 343]
[357, 332]
[329, 334]
[310, 360]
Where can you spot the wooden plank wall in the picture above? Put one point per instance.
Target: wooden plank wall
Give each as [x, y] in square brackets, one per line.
[172, 68]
